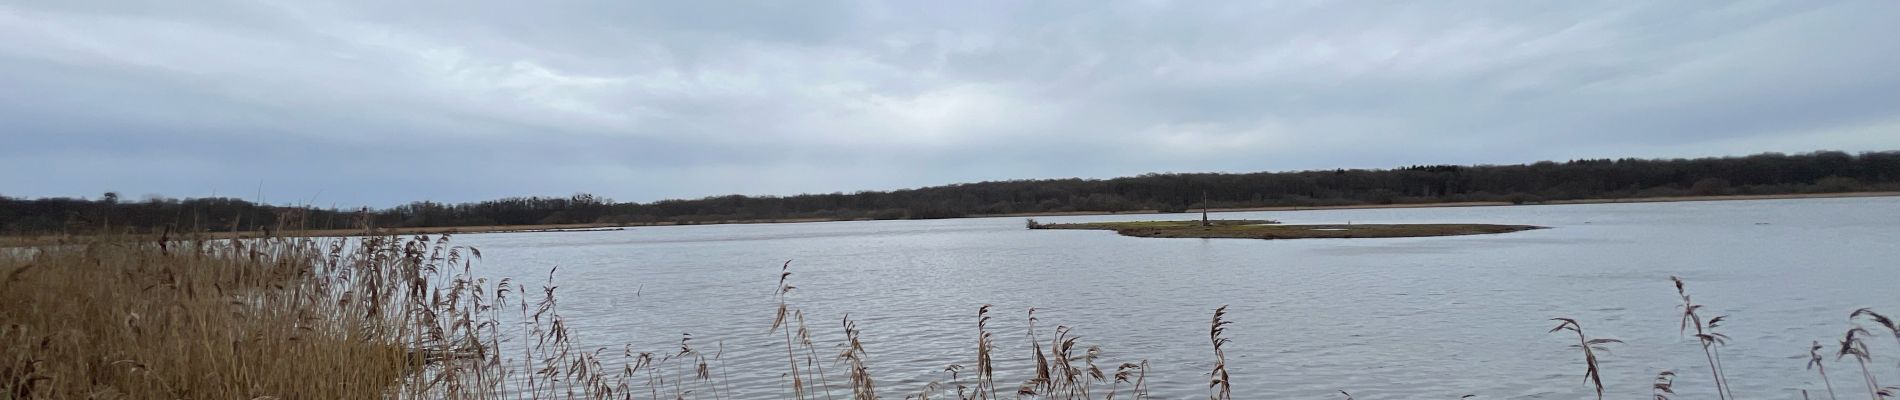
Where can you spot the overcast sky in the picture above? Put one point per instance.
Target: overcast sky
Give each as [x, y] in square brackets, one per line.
[382, 102]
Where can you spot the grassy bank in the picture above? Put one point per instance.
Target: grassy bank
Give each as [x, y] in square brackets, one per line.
[1253, 229]
[386, 317]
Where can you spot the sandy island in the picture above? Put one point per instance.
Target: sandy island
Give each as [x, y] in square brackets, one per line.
[1261, 229]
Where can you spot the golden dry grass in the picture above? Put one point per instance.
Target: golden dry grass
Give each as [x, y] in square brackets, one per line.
[376, 317]
[119, 319]
[370, 317]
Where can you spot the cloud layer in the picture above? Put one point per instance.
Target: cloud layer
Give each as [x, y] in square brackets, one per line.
[354, 103]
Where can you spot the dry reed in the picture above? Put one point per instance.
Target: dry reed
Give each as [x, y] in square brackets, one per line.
[985, 367]
[1706, 335]
[1664, 386]
[1815, 363]
[1221, 386]
[862, 387]
[293, 317]
[1853, 346]
[1589, 347]
[389, 317]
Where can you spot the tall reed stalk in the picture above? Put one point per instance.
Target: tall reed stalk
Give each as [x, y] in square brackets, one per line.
[1853, 346]
[1221, 385]
[1883, 322]
[1705, 335]
[1123, 374]
[985, 344]
[784, 319]
[1040, 383]
[1589, 347]
[1815, 363]
[862, 387]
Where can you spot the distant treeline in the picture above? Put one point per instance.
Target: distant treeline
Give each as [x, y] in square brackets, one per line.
[1770, 173]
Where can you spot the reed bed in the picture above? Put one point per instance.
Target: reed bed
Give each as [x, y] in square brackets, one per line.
[245, 319]
[405, 318]
[1852, 345]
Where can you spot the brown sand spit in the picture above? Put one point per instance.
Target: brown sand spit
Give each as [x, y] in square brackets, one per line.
[1260, 229]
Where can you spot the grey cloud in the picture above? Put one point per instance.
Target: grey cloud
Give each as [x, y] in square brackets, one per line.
[382, 102]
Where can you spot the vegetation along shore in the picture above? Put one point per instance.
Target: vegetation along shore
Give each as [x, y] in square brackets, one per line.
[28, 240]
[395, 317]
[1769, 175]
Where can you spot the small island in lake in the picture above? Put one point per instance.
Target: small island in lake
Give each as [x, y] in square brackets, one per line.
[1262, 229]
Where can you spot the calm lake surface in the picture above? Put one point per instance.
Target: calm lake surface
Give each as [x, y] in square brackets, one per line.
[1381, 318]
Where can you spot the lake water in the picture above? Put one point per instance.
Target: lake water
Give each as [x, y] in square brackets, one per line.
[1381, 318]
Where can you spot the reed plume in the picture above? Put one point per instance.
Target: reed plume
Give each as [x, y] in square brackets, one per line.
[985, 367]
[784, 319]
[1040, 383]
[1853, 346]
[1589, 347]
[1706, 335]
[1664, 386]
[862, 388]
[1816, 363]
[1878, 320]
[1123, 374]
[1221, 386]
[955, 371]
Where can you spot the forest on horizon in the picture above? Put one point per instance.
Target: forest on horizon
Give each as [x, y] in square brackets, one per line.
[1759, 174]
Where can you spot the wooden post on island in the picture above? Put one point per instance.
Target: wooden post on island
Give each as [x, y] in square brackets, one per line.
[1203, 208]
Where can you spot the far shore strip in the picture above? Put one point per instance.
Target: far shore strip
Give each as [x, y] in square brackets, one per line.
[32, 240]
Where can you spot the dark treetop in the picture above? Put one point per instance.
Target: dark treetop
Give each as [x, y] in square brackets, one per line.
[1771, 173]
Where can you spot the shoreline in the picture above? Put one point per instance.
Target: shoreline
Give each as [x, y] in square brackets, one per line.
[17, 241]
